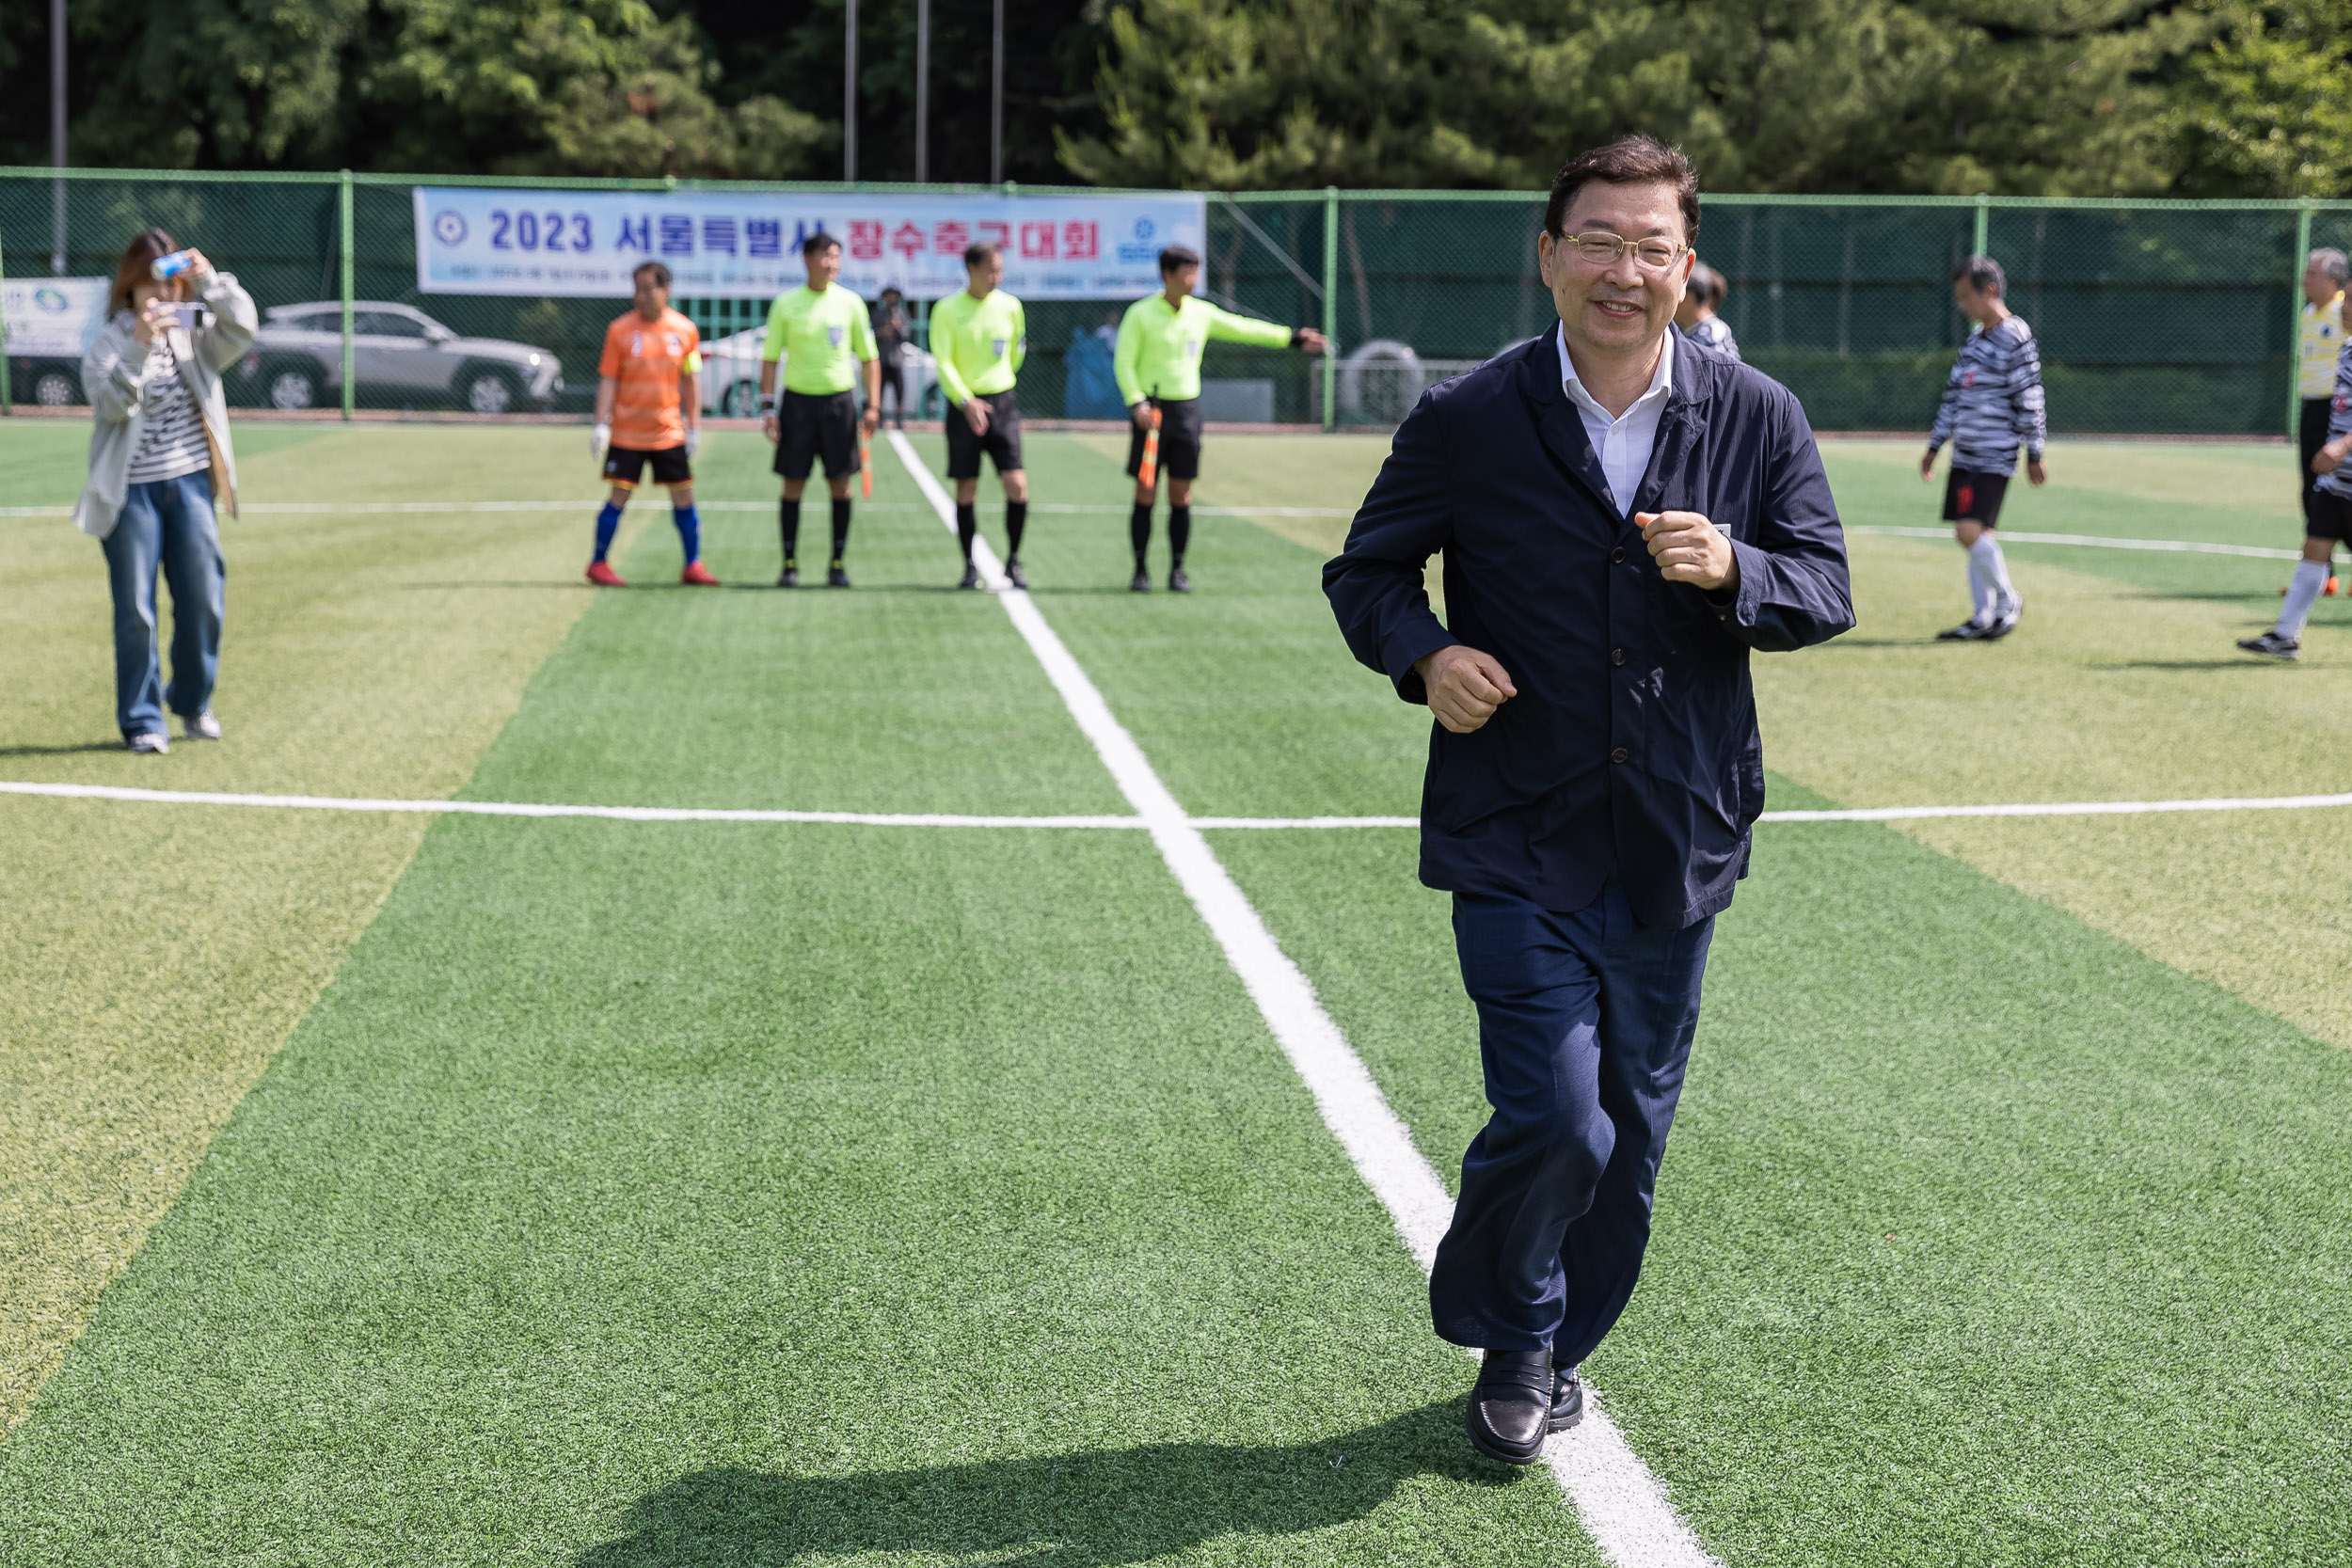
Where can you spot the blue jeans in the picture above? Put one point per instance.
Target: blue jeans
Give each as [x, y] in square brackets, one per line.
[168, 523]
[1585, 1027]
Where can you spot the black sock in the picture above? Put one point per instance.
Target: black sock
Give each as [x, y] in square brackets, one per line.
[788, 525]
[967, 527]
[840, 528]
[1016, 519]
[1139, 531]
[1179, 533]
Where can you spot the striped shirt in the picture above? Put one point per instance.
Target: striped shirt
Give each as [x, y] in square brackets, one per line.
[1715, 333]
[171, 442]
[1993, 401]
[2340, 423]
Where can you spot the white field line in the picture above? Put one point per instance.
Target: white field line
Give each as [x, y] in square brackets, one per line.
[520, 808]
[2092, 541]
[956, 820]
[1619, 1502]
[588, 503]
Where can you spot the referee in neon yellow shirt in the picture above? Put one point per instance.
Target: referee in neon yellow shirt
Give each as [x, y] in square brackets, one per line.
[821, 333]
[1158, 366]
[979, 336]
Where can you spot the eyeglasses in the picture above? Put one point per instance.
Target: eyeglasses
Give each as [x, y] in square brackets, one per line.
[1602, 248]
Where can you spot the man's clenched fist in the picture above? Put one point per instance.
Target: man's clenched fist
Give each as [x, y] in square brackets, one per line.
[1464, 686]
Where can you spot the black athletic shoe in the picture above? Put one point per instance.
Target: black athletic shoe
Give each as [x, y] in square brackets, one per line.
[1567, 1397]
[1178, 582]
[971, 576]
[2271, 645]
[789, 577]
[1014, 575]
[836, 576]
[2004, 619]
[1510, 1405]
[1140, 582]
[1967, 631]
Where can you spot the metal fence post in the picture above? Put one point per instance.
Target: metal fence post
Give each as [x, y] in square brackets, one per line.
[2295, 320]
[1983, 240]
[350, 391]
[6, 400]
[1330, 307]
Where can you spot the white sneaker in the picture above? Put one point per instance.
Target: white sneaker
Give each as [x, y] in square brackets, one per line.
[202, 727]
[153, 743]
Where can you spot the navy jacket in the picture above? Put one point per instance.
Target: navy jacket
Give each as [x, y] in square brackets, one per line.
[1631, 746]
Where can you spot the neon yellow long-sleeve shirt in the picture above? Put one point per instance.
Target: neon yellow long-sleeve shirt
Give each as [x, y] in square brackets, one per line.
[978, 343]
[1159, 348]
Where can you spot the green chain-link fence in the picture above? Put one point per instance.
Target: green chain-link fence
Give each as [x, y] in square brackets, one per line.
[2153, 317]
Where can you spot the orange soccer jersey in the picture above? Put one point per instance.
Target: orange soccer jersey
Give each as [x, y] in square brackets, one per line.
[644, 361]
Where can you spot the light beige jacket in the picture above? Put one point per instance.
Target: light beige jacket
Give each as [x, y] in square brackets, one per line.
[114, 372]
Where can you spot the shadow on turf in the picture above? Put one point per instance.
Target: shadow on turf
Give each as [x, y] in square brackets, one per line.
[1067, 1510]
[60, 751]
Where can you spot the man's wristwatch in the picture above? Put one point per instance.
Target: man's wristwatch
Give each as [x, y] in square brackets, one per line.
[767, 404]
[1298, 336]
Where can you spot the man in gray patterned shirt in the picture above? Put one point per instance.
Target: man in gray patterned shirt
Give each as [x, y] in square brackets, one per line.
[1992, 406]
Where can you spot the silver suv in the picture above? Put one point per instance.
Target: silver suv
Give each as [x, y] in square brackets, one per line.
[398, 353]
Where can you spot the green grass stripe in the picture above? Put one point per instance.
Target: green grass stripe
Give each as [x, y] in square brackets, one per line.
[1982, 1237]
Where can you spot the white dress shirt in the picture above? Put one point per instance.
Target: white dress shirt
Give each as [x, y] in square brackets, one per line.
[1623, 444]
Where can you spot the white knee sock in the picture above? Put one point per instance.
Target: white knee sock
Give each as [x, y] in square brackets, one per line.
[2303, 592]
[1985, 554]
[1979, 591]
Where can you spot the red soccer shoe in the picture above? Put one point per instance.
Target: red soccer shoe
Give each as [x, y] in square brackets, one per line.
[697, 576]
[603, 576]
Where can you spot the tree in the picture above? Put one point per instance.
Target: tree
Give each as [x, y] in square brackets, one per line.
[2057, 97]
[525, 87]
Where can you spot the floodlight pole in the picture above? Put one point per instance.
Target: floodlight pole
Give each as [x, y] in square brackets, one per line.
[922, 90]
[996, 99]
[848, 95]
[57, 136]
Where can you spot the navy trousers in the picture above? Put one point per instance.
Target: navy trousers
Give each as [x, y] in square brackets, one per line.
[1584, 1026]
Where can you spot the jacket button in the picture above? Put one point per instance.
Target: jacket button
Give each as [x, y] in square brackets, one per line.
[1616, 656]
[1616, 556]
[1617, 756]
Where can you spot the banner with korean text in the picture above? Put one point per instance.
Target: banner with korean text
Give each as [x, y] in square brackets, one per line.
[720, 244]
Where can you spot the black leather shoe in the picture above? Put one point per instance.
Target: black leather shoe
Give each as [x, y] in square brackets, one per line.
[1510, 1405]
[1567, 1397]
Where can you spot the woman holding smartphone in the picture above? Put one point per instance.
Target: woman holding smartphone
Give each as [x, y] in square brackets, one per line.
[159, 457]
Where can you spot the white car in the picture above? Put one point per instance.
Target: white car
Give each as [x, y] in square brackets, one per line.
[730, 382]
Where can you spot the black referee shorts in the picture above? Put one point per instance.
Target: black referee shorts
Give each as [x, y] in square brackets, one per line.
[816, 425]
[1002, 443]
[2327, 515]
[1180, 439]
[2310, 430]
[1976, 496]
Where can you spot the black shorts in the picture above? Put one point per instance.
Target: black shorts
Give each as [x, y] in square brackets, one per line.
[1180, 439]
[1002, 443]
[1970, 494]
[2327, 515]
[816, 425]
[2310, 429]
[625, 465]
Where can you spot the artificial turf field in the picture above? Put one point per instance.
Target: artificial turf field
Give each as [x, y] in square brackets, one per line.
[390, 1189]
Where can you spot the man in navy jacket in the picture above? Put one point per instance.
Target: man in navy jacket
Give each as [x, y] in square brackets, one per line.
[1623, 519]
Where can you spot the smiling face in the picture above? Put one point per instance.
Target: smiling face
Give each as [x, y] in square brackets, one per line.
[824, 266]
[1622, 307]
